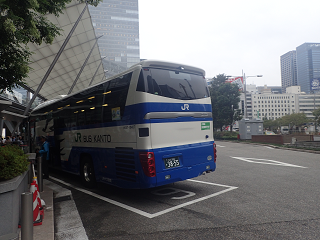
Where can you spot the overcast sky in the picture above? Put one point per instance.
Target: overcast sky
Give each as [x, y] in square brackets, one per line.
[228, 36]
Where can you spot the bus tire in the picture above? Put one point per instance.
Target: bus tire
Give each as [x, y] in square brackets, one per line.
[88, 177]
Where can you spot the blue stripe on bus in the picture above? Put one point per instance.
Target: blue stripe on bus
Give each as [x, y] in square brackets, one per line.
[169, 107]
[138, 111]
[134, 114]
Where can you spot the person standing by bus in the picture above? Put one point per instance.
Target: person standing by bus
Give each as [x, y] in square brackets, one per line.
[8, 140]
[44, 151]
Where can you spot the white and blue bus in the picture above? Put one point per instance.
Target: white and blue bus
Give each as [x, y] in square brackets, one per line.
[146, 127]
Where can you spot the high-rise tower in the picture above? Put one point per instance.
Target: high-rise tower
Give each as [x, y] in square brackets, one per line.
[117, 21]
[288, 70]
[308, 65]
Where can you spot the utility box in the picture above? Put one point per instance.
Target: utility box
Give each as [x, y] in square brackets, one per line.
[247, 128]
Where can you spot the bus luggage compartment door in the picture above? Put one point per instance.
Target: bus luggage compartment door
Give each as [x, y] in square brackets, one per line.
[185, 142]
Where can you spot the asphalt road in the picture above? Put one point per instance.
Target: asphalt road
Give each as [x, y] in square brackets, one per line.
[256, 192]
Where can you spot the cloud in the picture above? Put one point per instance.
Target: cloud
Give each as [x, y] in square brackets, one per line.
[227, 36]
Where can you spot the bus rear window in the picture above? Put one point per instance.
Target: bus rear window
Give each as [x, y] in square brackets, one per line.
[172, 84]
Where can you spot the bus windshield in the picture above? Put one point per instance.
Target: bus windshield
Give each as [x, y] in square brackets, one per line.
[172, 84]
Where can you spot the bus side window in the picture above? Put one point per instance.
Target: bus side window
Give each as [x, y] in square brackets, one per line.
[116, 96]
[81, 117]
[140, 85]
[153, 86]
[94, 106]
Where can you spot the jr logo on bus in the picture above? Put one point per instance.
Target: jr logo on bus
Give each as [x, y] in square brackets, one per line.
[78, 137]
[185, 107]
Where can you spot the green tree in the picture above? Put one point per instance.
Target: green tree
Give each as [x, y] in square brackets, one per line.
[268, 124]
[225, 99]
[294, 119]
[23, 22]
[316, 114]
[272, 124]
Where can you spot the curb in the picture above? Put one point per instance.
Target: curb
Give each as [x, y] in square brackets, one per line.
[68, 223]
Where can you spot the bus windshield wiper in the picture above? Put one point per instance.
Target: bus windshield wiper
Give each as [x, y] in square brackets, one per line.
[191, 88]
[184, 89]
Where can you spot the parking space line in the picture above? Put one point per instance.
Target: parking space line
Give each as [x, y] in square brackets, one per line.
[191, 202]
[146, 214]
[269, 147]
[267, 161]
[209, 183]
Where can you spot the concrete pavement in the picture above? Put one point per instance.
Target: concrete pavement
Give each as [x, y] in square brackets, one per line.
[61, 218]
[67, 222]
[46, 230]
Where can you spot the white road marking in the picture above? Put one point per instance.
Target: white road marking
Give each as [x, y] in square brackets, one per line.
[266, 161]
[269, 147]
[220, 146]
[143, 213]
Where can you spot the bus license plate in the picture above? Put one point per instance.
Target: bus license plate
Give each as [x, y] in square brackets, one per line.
[171, 162]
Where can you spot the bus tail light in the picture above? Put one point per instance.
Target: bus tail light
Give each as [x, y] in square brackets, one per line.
[148, 163]
[214, 152]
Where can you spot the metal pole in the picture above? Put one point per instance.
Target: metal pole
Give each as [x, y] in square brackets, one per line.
[39, 175]
[26, 216]
[96, 72]
[314, 108]
[245, 94]
[30, 173]
[83, 66]
[1, 126]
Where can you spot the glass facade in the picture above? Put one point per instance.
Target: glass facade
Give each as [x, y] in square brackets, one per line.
[21, 96]
[308, 64]
[288, 70]
[117, 21]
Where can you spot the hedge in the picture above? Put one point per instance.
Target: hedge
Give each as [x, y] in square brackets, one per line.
[13, 162]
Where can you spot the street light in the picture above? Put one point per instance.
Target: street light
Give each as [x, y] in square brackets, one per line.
[244, 77]
[245, 91]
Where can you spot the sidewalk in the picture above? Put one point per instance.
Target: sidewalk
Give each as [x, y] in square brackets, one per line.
[64, 221]
[46, 230]
[68, 223]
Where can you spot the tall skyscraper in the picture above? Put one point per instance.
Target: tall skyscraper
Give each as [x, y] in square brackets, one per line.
[117, 21]
[308, 65]
[288, 70]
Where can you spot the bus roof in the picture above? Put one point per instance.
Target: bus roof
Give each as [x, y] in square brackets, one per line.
[170, 65]
[48, 102]
[144, 63]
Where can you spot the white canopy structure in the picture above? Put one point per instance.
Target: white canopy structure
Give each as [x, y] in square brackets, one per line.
[72, 62]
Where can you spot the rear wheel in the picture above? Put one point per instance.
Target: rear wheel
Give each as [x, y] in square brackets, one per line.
[87, 173]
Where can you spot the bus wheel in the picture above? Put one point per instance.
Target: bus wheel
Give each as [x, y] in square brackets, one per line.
[87, 173]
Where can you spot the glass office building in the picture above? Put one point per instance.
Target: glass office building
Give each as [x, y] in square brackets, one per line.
[288, 70]
[308, 65]
[117, 21]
